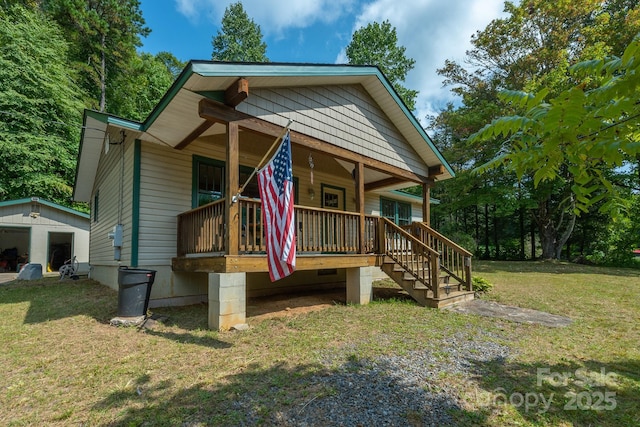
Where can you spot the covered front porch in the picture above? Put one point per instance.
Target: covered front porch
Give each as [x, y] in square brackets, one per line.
[431, 268]
[225, 240]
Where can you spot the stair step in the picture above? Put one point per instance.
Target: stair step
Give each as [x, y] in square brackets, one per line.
[421, 292]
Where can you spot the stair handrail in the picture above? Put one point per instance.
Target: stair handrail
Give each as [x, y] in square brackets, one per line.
[445, 239]
[434, 258]
[447, 264]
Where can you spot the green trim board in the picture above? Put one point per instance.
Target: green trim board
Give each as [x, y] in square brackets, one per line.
[114, 120]
[45, 203]
[96, 206]
[135, 203]
[214, 95]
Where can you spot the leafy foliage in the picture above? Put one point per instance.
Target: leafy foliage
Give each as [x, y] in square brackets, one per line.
[38, 144]
[581, 130]
[519, 64]
[481, 285]
[148, 80]
[377, 44]
[103, 36]
[239, 38]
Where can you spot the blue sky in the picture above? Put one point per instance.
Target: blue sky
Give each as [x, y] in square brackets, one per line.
[317, 31]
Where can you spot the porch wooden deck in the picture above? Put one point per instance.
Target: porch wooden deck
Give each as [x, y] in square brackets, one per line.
[431, 268]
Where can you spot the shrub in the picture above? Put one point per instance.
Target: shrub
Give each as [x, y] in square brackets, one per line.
[480, 284]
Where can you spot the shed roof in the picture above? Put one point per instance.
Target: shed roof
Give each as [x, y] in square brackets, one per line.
[53, 205]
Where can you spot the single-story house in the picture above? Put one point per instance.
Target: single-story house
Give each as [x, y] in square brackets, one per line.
[164, 193]
[38, 231]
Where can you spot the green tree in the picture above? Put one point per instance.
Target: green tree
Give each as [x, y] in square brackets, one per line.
[148, 80]
[533, 47]
[377, 44]
[104, 35]
[173, 64]
[38, 107]
[239, 38]
[580, 133]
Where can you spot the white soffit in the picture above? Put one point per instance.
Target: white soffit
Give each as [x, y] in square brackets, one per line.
[92, 146]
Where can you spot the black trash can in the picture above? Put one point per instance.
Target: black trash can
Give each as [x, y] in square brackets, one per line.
[134, 289]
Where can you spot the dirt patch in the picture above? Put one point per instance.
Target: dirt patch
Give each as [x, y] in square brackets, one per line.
[285, 305]
[7, 277]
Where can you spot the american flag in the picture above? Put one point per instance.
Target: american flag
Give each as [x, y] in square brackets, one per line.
[275, 183]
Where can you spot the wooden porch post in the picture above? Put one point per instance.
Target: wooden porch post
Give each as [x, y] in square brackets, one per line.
[426, 202]
[231, 189]
[360, 204]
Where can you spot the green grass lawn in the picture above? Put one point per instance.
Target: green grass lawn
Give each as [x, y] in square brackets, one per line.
[63, 364]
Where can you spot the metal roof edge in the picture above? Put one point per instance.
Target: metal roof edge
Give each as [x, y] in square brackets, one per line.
[81, 144]
[46, 203]
[110, 119]
[272, 69]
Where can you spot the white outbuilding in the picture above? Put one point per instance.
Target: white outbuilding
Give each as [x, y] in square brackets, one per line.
[37, 231]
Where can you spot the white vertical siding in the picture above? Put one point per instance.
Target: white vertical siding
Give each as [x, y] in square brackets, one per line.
[165, 192]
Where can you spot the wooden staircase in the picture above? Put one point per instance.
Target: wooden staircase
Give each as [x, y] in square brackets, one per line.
[434, 278]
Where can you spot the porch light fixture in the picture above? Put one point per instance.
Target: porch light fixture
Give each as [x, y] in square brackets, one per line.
[312, 193]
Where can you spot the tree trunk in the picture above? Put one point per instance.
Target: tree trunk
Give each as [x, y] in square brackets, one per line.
[567, 233]
[551, 238]
[522, 232]
[496, 240]
[477, 215]
[532, 226]
[103, 75]
[521, 220]
[487, 254]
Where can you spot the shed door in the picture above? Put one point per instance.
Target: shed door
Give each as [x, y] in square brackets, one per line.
[60, 250]
[14, 247]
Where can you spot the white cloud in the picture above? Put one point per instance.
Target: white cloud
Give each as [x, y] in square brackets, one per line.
[273, 16]
[432, 31]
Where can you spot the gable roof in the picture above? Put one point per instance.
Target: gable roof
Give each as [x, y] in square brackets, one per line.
[45, 203]
[176, 115]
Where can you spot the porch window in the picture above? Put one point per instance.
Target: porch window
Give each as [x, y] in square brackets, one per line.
[208, 180]
[396, 211]
[251, 190]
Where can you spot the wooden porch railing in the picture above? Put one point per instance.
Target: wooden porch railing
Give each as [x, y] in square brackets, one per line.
[415, 257]
[201, 230]
[321, 230]
[454, 259]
